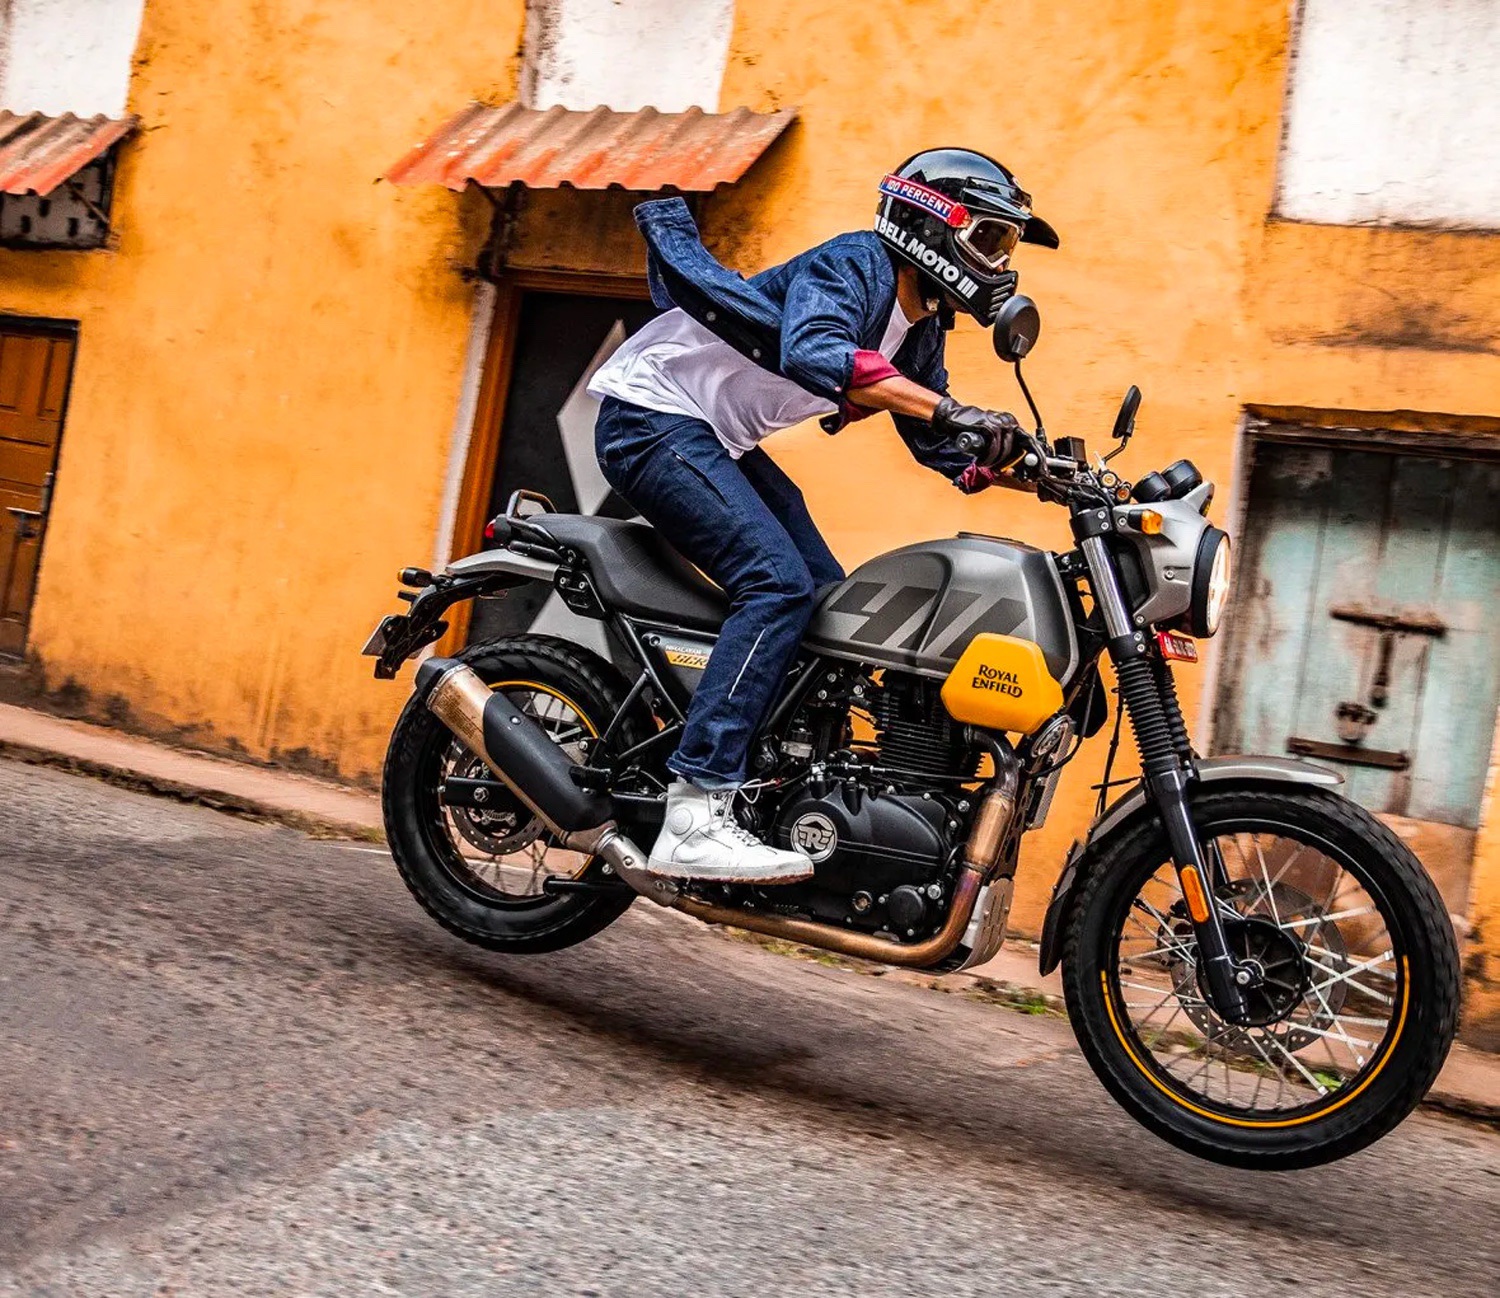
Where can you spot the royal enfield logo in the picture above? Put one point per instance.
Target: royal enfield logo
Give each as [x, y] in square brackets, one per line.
[814, 836]
[1001, 682]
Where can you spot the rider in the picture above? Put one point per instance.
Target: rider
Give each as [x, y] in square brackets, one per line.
[852, 326]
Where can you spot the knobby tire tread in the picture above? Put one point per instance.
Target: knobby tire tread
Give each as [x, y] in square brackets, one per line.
[572, 919]
[1367, 1117]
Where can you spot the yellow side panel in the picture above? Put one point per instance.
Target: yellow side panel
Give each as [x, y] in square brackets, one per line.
[1002, 683]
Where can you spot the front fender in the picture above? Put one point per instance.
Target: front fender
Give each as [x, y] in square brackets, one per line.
[1248, 770]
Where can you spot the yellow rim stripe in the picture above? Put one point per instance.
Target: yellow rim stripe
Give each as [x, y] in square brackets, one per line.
[557, 694]
[1109, 1005]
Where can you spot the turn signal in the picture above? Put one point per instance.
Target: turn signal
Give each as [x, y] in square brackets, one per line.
[1149, 522]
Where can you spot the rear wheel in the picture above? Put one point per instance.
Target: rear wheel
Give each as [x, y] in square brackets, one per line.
[478, 871]
[1355, 1003]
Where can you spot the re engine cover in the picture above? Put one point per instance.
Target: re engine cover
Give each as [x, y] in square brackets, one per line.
[861, 840]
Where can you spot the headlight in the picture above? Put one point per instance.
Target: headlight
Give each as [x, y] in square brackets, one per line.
[1212, 573]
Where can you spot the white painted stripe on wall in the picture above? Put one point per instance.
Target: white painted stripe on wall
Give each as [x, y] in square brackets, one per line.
[1393, 114]
[480, 321]
[626, 54]
[67, 56]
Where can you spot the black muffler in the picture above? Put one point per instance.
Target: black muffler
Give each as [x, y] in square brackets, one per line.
[534, 768]
[518, 750]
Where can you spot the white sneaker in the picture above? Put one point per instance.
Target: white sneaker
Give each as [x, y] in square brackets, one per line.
[701, 839]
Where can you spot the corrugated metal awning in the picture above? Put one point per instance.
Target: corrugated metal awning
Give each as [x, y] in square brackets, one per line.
[548, 148]
[38, 152]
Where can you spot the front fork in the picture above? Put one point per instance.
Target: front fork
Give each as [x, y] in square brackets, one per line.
[1169, 774]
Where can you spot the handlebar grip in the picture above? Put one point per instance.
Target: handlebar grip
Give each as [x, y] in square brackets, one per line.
[974, 444]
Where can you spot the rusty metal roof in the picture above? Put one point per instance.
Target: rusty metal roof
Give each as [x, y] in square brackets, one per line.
[550, 147]
[38, 152]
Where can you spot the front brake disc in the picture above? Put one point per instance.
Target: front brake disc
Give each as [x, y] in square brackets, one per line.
[1294, 1034]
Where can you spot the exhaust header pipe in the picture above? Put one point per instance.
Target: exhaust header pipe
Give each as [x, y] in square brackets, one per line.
[539, 773]
[534, 768]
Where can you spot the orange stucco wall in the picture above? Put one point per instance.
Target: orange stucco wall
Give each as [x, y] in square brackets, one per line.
[267, 369]
[269, 364]
[1149, 139]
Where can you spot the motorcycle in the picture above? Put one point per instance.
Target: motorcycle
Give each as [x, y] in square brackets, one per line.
[1256, 968]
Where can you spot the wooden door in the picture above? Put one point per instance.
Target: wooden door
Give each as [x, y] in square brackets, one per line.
[1363, 630]
[36, 363]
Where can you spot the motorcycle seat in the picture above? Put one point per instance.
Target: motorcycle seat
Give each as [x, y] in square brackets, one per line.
[636, 572]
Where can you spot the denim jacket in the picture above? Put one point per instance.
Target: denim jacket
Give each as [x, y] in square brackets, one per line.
[817, 319]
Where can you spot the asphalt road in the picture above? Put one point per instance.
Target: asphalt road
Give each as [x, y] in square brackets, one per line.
[234, 1060]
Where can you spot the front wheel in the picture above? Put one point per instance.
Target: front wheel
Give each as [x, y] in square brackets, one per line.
[1357, 989]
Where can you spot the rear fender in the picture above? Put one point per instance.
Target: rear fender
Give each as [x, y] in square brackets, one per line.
[504, 562]
[1125, 811]
[402, 635]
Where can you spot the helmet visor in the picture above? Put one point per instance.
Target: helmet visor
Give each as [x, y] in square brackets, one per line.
[989, 241]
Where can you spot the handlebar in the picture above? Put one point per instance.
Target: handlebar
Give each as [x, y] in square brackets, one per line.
[1033, 456]
[1066, 478]
[975, 444]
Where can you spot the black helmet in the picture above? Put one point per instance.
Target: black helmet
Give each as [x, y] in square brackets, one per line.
[956, 215]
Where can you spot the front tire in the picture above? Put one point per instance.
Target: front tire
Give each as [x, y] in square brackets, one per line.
[1361, 1000]
[460, 864]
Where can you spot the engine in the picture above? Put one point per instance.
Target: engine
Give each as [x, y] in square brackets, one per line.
[882, 820]
[915, 736]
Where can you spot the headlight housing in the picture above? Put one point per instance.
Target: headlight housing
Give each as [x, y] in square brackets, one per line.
[1213, 572]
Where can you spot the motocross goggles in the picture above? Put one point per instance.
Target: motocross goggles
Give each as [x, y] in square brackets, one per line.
[988, 241]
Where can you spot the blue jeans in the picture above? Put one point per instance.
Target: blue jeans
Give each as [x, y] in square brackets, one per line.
[744, 523]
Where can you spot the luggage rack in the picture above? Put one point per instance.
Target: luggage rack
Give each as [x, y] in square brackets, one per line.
[514, 530]
[520, 497]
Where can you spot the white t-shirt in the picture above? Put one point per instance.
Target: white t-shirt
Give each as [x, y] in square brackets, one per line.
[675, 365]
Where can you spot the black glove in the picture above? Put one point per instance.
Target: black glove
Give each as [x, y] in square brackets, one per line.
[992, 437]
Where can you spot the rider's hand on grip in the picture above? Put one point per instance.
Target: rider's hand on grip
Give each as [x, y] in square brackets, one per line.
[992, 437]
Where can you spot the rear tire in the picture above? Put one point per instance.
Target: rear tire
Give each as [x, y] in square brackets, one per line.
[433, 865]
[1358, 1107]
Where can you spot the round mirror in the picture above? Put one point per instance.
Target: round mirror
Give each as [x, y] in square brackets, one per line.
[1125, 420]
[1016, 328]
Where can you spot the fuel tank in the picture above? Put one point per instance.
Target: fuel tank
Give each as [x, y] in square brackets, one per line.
[917, 608]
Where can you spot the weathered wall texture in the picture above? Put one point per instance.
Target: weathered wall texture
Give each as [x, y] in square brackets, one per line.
[267, 367]
[1392, 115]
[270, 363]
[662, 54]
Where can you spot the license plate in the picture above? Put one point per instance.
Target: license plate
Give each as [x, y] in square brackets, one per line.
[380, 636]
[1181, 647]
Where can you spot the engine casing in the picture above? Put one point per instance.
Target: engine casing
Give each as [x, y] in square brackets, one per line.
[864, 844]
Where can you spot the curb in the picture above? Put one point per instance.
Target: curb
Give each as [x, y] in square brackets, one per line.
[1463, 1106]
[233, 804]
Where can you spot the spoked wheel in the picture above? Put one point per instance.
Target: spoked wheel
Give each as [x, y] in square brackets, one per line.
[1353, 1003]
[479, 870]
[501, 849]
